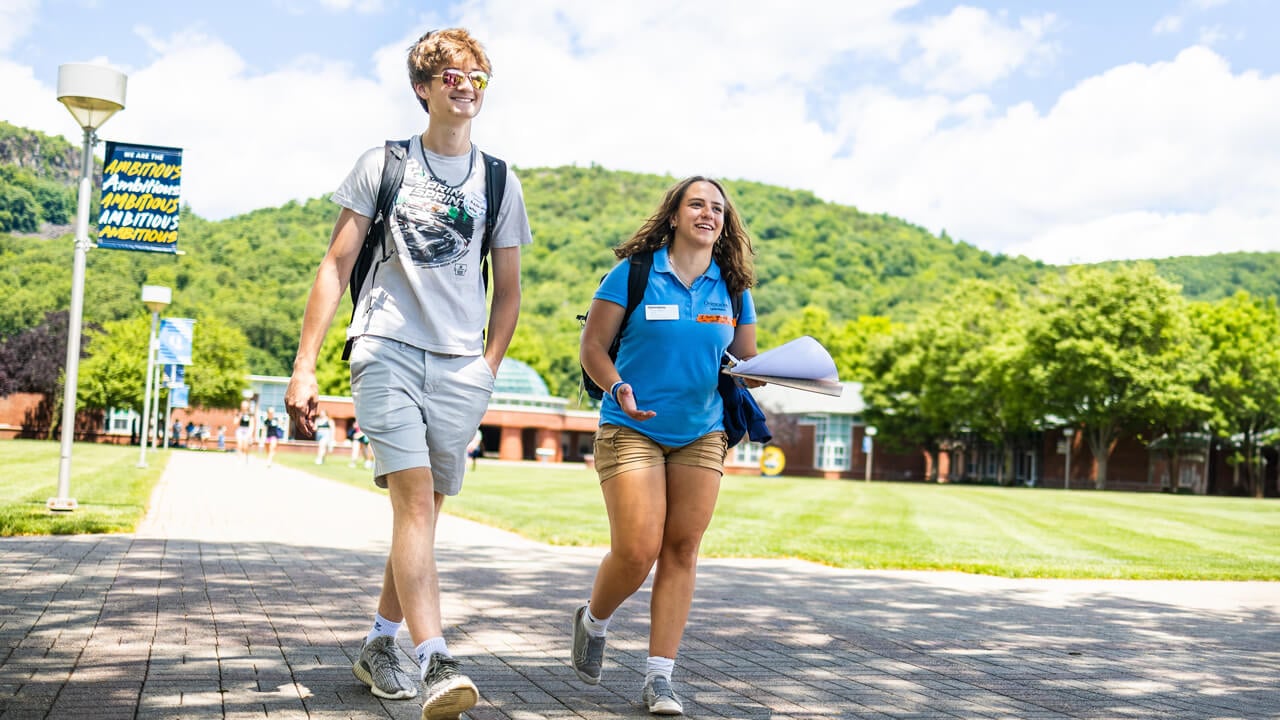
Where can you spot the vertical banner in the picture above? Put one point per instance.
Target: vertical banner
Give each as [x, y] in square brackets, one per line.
[175, 341]
[140, 190]
[178, 396]
[175, 375]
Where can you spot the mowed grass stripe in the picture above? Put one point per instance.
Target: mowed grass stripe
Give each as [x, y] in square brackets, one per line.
[1034, 532]
[111, 491]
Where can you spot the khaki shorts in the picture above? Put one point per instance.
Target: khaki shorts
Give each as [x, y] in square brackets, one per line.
[620, 449]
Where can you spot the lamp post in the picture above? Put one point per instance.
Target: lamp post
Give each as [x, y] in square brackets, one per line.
[868, 433]
[156, 298]
[1067, 434]
[92, 93]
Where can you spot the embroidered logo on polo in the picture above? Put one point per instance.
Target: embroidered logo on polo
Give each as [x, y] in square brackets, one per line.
[437, 222]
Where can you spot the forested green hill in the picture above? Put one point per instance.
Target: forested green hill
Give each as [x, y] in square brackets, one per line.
[254, 270]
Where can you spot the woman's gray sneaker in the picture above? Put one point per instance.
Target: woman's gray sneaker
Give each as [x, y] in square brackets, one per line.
[448, 692]
[660, 698]
[379, 667]
[588, 650]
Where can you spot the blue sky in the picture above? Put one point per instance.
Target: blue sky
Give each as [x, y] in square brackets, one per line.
[1064, 131]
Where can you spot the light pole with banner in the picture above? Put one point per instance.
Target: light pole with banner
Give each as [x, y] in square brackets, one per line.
[93, 93]
[868, 447]
[176, 335]
[156, 298]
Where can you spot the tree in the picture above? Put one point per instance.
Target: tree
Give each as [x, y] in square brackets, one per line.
[1243, 377]
[33, 361]
[847, 341]
[114, 376]
[900, 392]
[1112, 351]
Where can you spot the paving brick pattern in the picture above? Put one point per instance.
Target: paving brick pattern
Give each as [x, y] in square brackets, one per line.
[247, 591]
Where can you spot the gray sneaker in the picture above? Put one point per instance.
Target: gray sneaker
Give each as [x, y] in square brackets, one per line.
[448, 691]
[379, 667]
[588, 650]
[660, 698]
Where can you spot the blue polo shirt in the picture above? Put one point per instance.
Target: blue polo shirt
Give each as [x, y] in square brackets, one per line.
[670, 350]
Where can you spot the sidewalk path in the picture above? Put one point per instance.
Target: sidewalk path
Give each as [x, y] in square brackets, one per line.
[248, 589]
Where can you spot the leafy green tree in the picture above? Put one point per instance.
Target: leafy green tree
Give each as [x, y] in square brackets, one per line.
[333, 374]
[217, 375]
[19, 210]
[115, 373]
[846, 341]
[900, 392]
[1243, 377]
[989, 383]
[1112, 351]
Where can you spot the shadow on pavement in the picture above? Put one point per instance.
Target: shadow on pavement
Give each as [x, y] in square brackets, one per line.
[118, 626]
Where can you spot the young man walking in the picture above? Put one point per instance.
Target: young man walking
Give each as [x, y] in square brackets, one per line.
[423, 360]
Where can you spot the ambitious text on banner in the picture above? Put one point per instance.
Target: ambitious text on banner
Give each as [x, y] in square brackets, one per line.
[140, 192]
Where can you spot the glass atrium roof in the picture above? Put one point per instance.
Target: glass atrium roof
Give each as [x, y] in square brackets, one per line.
[518, 378]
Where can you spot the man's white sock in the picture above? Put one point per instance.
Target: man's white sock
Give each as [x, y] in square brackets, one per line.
[382, 627]
[424, 651]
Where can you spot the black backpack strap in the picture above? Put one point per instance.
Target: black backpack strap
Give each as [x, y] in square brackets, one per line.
[395, 154]
[637, 282]
[374, 249]
[495, 186]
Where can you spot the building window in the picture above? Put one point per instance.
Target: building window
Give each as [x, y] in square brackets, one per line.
[746, 454]
[831, 437]
[119, 422]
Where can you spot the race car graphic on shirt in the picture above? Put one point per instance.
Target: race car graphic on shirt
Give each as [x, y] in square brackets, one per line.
[437, 223]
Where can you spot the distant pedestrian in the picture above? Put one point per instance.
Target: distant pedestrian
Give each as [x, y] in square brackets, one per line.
[274, 433]
[324, 436]
[222, 438]
[244, 431]
[475, 449]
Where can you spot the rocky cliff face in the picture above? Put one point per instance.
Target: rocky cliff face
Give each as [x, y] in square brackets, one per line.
[45, 156]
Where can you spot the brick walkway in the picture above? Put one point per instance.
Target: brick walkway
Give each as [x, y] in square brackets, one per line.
[220, 607]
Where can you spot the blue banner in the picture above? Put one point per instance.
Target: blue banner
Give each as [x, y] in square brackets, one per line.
[140, 190]
[178, 396]
[175, 375]
[175, 341]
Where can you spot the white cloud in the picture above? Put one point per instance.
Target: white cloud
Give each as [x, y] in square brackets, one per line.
[1144, 234]
[1140, 148]
[1167, 24]
[1139, 161]
[970, 49]
[16, 18]
[1211, 35]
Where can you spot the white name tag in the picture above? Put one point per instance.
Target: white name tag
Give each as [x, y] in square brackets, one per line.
[661, 312]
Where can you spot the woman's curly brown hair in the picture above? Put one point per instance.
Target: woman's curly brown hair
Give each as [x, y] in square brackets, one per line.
[732, 250]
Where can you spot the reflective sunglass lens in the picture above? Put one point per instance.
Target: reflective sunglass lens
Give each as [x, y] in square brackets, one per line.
[479, 80]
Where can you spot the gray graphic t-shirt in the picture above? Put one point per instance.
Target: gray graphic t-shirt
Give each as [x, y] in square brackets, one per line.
[431, 294]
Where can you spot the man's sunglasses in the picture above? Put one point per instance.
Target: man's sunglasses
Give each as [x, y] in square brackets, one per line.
[453, 78]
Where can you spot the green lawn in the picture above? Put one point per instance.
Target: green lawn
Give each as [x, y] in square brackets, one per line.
[112, 492]
[1015, 532]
